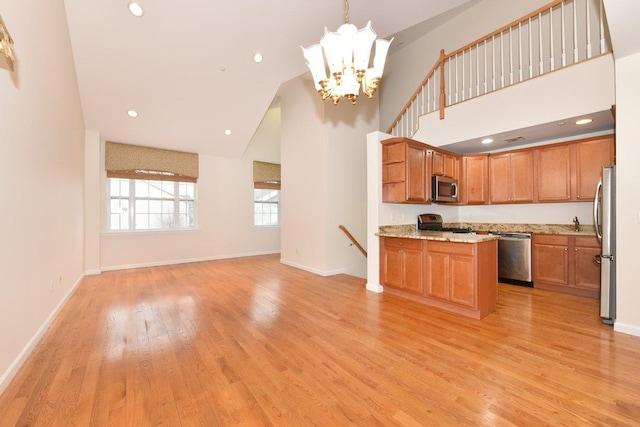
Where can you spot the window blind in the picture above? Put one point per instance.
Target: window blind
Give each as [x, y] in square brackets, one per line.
[266, 176]
[136, 162]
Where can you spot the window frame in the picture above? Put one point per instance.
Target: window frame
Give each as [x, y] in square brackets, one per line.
[277, 203]
[132, 199]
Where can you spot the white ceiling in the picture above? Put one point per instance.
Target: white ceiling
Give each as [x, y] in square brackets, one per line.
[186, 66]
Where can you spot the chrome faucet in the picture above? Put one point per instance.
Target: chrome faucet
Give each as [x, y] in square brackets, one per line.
[577, 223]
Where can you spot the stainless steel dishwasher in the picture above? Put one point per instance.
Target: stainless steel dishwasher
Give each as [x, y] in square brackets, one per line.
[514, 258]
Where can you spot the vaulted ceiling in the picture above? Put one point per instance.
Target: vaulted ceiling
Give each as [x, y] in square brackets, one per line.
[187, 66]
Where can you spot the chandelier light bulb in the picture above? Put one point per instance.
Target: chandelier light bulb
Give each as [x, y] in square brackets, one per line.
[346, 54]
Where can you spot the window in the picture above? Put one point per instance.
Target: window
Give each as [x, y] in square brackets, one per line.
[266, 207]
[138, 204]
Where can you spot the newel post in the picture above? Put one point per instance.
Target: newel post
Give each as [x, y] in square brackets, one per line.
[442, 96]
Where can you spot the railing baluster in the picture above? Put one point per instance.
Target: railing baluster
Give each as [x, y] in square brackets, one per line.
[478, 69]
[540, 43]
[588, 31]
[519, 51]
[493, 62]
[485, 66]
[563, 31]
[575, 32]
[602, 40]
[530, 49]
[552, 65]
[502, 59]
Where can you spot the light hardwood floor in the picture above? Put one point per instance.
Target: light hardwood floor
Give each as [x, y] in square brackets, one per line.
[253, 342]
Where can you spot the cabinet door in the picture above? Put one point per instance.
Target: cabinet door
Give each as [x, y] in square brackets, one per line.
[553, 176]
[462, 281]
[437, 275]
[450, 166]
[412, 280]
[416, 174]
[551, 260]
[591, 156]
[475, 176]
[391, 266]
[522, 176]
[500, 178]
[587, 271]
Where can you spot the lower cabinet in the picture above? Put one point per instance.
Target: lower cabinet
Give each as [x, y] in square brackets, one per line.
[401, 264]
[565, 263]
[455, 276]
[450, 273]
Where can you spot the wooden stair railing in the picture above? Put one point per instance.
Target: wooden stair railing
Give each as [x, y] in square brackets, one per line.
[353, 240]
[553, 37]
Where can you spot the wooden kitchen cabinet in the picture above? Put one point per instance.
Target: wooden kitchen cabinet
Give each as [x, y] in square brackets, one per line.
[590, 158]
[450, 273]
[405, 171]
[569, 172]
[511, 177]
[474, 179]
[565, 263]
[444, 164]
[401, 264]
[459, 277]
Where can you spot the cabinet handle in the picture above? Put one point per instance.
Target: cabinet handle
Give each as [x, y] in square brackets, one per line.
[566, 249]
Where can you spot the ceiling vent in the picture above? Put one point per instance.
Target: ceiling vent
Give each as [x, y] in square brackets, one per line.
[515, 139]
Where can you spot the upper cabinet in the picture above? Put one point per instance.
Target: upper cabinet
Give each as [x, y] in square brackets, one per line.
[570, 172]
[405, 171]
[444, 164]
[563, 172]
[511, 177]
[474, 179]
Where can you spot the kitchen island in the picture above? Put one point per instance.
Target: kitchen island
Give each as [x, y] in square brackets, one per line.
[451, 271]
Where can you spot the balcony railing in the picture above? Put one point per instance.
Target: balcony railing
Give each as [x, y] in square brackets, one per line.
[562, 33]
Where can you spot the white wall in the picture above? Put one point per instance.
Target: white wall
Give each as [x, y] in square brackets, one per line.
[628, 196]
[42, 141]
[323, 179]
[225, 212]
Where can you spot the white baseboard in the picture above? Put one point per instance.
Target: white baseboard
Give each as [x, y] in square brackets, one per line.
[375, 288]
[627, 329]
[324, 273]
[15, 366]
[186, 261]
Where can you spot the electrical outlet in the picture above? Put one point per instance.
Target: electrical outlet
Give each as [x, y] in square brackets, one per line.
[298, 251]
[52, 286]
[60, 279]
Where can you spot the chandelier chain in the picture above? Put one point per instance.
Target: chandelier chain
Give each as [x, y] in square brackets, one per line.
[346, 11]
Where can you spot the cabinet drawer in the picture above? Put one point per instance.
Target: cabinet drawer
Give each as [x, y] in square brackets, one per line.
[587, 242]
[451, 247]
[551, 239]
[395, 242]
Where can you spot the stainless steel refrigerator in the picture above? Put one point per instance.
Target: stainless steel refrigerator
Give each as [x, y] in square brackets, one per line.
[604, 219]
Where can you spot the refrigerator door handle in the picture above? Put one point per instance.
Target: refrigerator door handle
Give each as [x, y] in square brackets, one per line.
[596, 211]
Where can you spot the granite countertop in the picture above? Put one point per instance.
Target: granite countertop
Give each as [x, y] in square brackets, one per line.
[585, 230]
[409, 231]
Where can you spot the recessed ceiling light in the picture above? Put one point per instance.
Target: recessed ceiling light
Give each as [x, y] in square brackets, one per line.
[227, 132]
[487, 141]
[135, 9]
[258, 57]
[560, 123]
[132, 113]
[583, 121]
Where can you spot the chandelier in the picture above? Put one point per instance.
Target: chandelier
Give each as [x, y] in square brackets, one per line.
[347, 53]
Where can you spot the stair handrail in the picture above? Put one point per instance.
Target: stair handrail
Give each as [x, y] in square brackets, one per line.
[353, 240]
[406, 123]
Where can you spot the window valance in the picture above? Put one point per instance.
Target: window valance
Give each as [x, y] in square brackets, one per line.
[266, 176]
[137, 162]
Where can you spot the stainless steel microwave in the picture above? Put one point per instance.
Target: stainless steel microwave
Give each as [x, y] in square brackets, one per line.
[444, 189]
